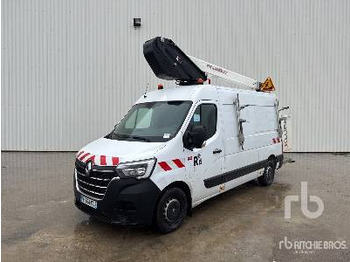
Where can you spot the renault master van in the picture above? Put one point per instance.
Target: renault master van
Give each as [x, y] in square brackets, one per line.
[174, 149]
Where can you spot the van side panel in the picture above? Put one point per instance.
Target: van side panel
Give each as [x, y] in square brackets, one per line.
[261, 120]
[260, 132]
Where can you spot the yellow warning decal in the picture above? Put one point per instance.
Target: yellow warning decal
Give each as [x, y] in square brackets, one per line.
[267, 86]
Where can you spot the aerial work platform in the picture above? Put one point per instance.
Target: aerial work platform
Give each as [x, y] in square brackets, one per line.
[169, 62]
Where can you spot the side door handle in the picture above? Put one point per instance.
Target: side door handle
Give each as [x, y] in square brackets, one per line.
[217, 151]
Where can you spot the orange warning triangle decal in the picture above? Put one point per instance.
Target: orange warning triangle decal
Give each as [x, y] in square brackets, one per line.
[267, 86]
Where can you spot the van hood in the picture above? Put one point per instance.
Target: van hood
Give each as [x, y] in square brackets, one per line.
[105, 151]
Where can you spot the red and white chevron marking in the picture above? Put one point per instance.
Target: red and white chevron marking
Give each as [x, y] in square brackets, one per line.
[100, 160]
[171, 165]
[276, 140]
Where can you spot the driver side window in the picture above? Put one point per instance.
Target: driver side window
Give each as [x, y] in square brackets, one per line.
[206, 116]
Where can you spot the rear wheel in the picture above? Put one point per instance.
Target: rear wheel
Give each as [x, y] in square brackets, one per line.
[171, 210]
[269, 174]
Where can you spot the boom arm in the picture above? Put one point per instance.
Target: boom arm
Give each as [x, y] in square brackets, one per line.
[226, 74]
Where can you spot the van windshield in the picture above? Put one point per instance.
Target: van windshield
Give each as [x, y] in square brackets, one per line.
[152, 122]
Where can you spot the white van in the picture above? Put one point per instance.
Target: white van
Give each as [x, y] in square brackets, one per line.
[174, 149]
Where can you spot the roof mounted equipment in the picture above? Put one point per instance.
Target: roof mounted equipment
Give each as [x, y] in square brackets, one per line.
[169, 62]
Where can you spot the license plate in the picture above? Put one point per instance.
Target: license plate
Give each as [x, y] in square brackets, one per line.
[87, 201]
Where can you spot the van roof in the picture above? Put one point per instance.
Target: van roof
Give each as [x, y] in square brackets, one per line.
[192, 93]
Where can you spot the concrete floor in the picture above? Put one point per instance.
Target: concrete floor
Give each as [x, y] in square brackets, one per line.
[41, 223]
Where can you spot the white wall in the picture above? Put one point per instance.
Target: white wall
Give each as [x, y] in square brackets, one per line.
[71, 69]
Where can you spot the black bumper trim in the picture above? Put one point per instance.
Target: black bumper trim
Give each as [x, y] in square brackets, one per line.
[280, 161]
[127, 202]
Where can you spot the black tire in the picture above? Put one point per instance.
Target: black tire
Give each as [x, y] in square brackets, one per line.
[269, 174]
[171, 210]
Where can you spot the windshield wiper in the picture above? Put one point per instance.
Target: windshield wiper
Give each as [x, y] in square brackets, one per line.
[140, 138]
[126, 137]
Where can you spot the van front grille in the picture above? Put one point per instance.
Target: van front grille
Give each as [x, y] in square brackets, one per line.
[95, 182]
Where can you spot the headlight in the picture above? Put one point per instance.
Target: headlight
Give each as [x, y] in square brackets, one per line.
[138, 169]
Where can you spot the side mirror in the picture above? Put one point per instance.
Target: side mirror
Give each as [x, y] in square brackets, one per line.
[194, 138]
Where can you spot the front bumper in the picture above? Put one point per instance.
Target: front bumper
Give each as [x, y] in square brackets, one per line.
[127, 202]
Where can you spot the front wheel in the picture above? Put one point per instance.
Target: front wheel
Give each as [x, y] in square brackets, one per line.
[269, 174]
[171, 210]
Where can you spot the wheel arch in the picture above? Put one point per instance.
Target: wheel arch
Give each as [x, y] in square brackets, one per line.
[184, 187]
[273, 158]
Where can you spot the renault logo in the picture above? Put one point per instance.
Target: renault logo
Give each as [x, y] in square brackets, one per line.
[88, 168]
